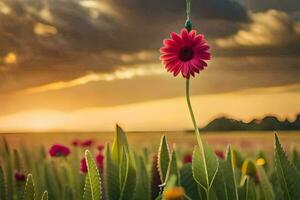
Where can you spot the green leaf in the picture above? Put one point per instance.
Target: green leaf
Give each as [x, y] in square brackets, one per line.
[172, 168]
[287, 173]
[246, 190]
[189, 184]
[120, 142]
[29, 193]
[163, 158]
[120, 169]
[266, 187]
[205, 166]
[229, 175]
[2, 185]
[225, 184]
[93, 182]
[111, 173]
[142, 190]
[219, 183]
[127, 176]
[87, 194]
[45, 196]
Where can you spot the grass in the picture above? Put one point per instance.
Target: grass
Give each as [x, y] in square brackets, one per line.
[143, 171]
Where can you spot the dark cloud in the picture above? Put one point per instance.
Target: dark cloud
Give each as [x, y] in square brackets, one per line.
[261, 5]
[212, 9]
[79, 37]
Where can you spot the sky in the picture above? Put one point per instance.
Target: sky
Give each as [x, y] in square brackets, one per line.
[85, 65]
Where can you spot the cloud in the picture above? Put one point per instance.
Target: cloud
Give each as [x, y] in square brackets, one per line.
[10, 58]
[44, 30]
[270, 28]
[209, 9]
[120, 74]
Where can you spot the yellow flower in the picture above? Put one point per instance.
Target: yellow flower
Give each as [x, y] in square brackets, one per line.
[175, 193]
[248, 168]
[260, 162]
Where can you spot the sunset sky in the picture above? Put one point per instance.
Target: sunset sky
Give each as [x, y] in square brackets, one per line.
[84, 65]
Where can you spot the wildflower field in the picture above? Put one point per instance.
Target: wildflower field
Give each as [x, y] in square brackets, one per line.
[87, 170]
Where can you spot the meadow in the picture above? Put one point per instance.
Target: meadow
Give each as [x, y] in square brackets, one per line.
[156, 166]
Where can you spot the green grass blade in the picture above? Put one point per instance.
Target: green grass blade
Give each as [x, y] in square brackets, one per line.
[142, 190]
[29, 192]
[287, 173]
[163, 158]
[2, 185]
[111, 174]
[94, 181]
[229, 176]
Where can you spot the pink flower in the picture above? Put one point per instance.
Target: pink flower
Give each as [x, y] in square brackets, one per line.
[83, 166]
[19, 176]
[75, 143]
[220, 154]
[185, 53]
[58, 150]
[87, 143]
[100, 147]
[187, 158]
[100, 161]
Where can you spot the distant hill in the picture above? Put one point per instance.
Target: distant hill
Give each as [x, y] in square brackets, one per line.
[268, 123]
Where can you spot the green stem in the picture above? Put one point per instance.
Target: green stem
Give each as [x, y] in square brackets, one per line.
[207, 194]
[192, 113]
[188, 9]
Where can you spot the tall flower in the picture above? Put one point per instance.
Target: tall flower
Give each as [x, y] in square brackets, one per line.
[185, 53]
[58, 150]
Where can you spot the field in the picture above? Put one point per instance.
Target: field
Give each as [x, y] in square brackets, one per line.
[219, 140]
[90, 166]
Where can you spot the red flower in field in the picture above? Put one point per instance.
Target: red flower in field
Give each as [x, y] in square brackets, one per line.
[220, 154]
[185, 53]
[87, 143]
[76, 143]
[187, 158]
[83, 166]
[100, 161]
[100, 147]
[20, 176]
[58, 150]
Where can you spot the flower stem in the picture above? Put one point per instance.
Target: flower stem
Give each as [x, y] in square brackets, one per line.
[192, 113]
[188, 9]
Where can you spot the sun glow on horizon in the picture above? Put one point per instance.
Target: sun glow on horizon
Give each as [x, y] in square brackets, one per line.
[160, 114]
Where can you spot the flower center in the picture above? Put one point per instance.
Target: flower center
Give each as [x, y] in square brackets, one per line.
[186, 53]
